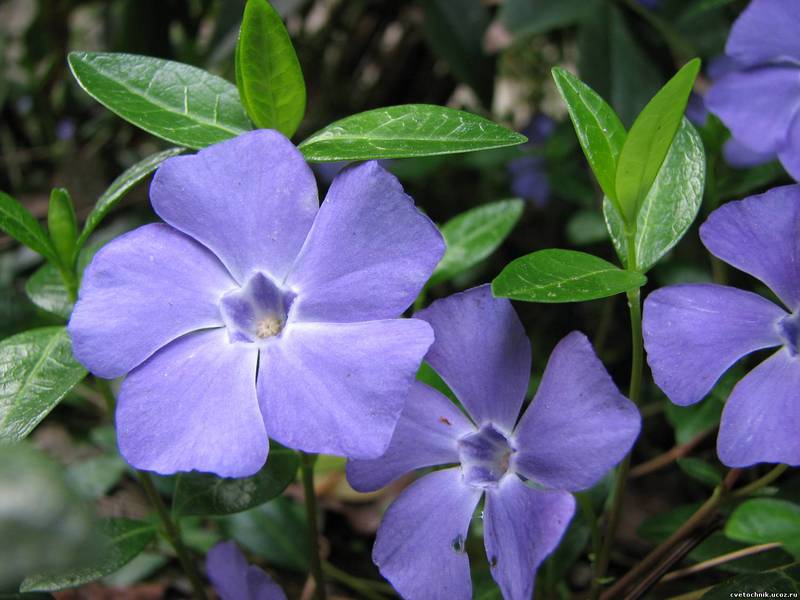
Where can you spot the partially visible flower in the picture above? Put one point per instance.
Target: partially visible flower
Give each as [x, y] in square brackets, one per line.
[234, 579]
[528, 173]
[254, 311]
[694, 333]
[576, 429]
[757, 98]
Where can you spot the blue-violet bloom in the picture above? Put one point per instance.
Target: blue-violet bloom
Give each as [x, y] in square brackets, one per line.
[757, 98]
[529, 178]
[576, 429]
[234, 579]
[255, 311]
[694, 333]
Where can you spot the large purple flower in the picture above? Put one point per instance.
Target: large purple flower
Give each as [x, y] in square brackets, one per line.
[253, 311]
[234, 579]
[694, 333]
[576, 429]
[759, 99]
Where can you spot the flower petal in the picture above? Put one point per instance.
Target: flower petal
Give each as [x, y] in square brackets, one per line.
[226, 567]
[761, 420]
[579, 425]
[740, 156]
[141, 291]
[426, 436]
[339, 388]
[760, 235]
[368, 254]
[261, 586]
[790, 153]
[482, 353]
[193, 406]
[420, 544]
[250, 200]
[522, 526]
[762, 122]
[694, 333]
[766, 31]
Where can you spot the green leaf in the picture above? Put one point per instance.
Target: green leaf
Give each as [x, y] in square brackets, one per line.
[671, 204]
[38, 370]
[17, 222]
[205, 494]
[475, 234]
[690, 421]
[563, 276]
[597, 126]
[539, 16]
[179, 103]
[95, 476]
[121, 186]
[700, 470]
[586, 227]
[125, 539]
[649, 140]
[62, 225]
[765, 520]
[45, 288]
[405, 131]
[268, 74]
[783, 581]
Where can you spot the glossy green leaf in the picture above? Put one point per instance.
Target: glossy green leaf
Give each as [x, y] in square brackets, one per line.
[205, 494]
[597, 126]
[62, 224]
[17, 222]
[650, 139]
[671, 204]
[268, 74]
[121, 186]
[125, 539]
[405, 131]
[700, 470]
[539, 16]
[45, 288]
[555, 275]
[475, 234]
[764, 520]
[777, 581]
[37, 370]
[179, 103]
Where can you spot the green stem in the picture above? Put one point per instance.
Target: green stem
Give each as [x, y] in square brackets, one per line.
[173, 535]
[366, 587]
[761, 482]
[70, 280]
[585, 503]
[307, 470]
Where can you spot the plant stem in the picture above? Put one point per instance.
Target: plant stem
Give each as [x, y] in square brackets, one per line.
[372, 590]
[173, 535]
[761, 482]
[585, 503]
[70, 280]
[668, 457]
[307, 470]
[719, 560]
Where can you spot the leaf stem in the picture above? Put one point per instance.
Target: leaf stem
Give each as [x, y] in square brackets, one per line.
[307, 472]
[719, 560]
[173, 535]
[761, 482]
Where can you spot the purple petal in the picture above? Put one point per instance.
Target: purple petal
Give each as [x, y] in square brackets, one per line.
[522, 526]
[193, 406]
[766, 31]
[579, 425]
[420, 544]
[760, 235]
[762, 121]
[141, 291]
[789, 154]
[369, 252]
[740, 156]
[426, 436]
[339, 388]
[694, 333]
[761, 420]
[696, 110]
[234, 579]
[482, 353]
[250, 200]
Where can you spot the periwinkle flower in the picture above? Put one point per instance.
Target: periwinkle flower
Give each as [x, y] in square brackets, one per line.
[529, 178]
[757, 98]
[254, 311]
[694, 333]
[234, 579]
[576, 429]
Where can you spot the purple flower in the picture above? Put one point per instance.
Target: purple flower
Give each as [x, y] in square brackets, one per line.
[253, 311]
[234, 579]
[757, 99]
[529, 178]
[576, 429]
[694, 333]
